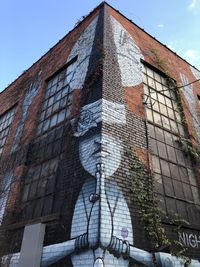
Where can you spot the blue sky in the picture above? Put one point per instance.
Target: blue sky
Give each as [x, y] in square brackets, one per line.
[29, 28]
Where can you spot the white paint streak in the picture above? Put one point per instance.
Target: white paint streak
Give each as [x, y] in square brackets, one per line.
[167, 260]
[113, 112]
[190, 97]
[195, 72]
[29, 97]
[129, 55]
[83, 48]
[4, 192]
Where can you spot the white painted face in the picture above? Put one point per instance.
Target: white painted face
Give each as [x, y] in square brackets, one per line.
[100, 149]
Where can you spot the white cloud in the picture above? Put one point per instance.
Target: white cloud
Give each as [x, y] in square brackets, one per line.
[160, 25]
[191, 54]
[193, 4]
[193, 57]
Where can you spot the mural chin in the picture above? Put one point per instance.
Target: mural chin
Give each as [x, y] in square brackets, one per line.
[100, 149]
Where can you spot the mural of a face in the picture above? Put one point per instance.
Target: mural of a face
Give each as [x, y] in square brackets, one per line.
[121, 224]
[100, 149]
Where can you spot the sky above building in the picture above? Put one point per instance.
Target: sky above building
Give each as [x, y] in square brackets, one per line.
[30, 28]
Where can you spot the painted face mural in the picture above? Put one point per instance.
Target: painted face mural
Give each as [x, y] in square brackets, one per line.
[101, 229]
[100, 149]
[104, 150]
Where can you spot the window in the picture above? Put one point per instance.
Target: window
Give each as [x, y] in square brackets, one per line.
[5, 122]
[172, 167]
[5, 185]
[56, 106]
[39, 189]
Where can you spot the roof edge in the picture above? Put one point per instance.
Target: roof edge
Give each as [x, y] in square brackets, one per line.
[78, 24]
[150, 35]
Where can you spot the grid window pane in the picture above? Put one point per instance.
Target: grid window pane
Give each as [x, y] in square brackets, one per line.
[178, 189]
[174, 177]
[169, 190]
[159, 134]
[57, 103]
[5, 122]
[162, 150]
[154, 149]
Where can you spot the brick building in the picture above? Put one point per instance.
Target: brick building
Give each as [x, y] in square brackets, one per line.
[99, 152]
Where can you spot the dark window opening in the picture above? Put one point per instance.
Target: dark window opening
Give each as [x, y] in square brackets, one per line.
[57, 103]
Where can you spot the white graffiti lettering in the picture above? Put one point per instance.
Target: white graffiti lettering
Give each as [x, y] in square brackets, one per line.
[189, 240]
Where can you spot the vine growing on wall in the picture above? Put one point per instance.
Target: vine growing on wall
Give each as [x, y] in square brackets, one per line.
[161, 63]
[143, 182]
[186, 143]
[142, 187]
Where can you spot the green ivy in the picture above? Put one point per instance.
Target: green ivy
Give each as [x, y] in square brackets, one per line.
[190, 150]
[142, 187]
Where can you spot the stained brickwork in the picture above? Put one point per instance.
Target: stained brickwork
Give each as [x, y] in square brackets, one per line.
[79, 112]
